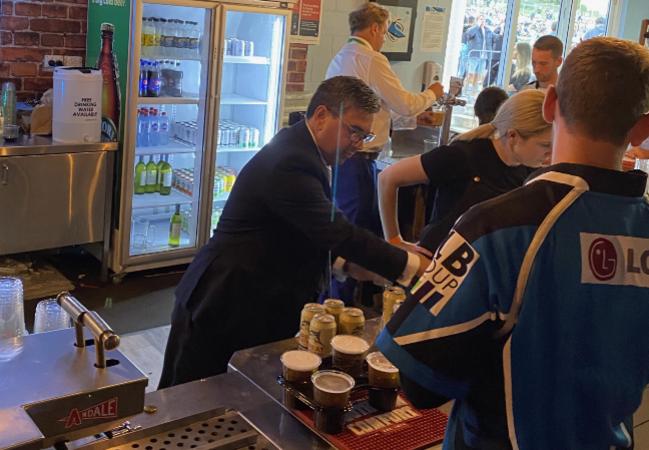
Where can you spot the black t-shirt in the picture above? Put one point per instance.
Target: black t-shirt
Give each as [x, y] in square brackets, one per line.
[461, 175]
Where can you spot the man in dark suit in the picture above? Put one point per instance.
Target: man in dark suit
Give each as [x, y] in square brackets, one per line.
[270, 251]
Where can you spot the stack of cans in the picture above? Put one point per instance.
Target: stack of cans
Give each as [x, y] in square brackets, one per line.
[238, 47]
[232, 134]
[186, 131]
[183, 180]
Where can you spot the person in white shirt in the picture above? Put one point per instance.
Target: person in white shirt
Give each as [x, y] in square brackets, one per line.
[546, 59]
[360, 57]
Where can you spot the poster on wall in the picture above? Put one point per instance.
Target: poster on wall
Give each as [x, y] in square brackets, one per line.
[305, 21]
[401, 28]
[433, 25]
[107, 50]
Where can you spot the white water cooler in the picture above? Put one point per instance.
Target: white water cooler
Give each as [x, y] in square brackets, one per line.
[76, 108]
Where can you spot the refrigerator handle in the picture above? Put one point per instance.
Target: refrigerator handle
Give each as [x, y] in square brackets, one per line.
[4, 174]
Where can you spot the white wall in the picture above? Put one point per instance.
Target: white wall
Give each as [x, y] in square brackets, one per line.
[633, 13]
[335, 31]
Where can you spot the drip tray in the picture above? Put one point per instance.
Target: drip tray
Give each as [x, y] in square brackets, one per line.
[229, 431]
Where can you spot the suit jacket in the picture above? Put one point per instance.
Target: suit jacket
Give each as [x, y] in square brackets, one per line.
[266, 259]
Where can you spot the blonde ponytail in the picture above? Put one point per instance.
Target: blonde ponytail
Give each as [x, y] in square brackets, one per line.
[522, 112]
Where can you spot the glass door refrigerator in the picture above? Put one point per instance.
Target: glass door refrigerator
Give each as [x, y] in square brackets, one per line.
[204, 93]
[250, 92]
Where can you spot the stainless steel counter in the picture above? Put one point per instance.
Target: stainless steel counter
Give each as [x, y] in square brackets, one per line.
[57, 194]
[44, 145]
[231, 391]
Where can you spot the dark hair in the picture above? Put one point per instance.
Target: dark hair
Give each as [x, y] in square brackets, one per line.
[549, 42]
[603, 88]
[488, 102]
[351, 92]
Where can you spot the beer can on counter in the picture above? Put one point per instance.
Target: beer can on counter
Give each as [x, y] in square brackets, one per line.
[391, 295]
[352, 321]
[308, 312]
[334, 307]
[321, 330]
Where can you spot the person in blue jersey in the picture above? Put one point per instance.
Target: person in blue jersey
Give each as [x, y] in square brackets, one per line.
[533, 314]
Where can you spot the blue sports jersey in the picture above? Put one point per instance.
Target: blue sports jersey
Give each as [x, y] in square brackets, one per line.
[533, 315]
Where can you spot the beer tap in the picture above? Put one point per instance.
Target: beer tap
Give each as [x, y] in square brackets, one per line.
[447, 102]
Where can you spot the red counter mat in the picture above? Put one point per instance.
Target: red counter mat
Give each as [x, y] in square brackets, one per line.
[404, 428]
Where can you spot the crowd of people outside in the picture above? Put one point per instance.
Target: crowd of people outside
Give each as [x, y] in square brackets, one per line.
[482, 52]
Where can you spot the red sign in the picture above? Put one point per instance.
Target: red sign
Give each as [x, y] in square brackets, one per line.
[305, 25]
[104, 410]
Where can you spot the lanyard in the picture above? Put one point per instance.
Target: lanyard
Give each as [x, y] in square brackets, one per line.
[362, 42]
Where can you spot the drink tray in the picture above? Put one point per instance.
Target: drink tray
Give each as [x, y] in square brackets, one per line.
[363, 426]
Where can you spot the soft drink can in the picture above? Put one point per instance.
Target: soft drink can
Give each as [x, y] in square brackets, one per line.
[391, 296]
[322, 329]
[352, 321]
[308, 312]
[334, 307]
[237, 47]
[244, 137]
[248, 48]
[254, 137]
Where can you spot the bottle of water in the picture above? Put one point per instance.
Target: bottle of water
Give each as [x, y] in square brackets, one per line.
[154, 127]
[143, 128]
[163, 129]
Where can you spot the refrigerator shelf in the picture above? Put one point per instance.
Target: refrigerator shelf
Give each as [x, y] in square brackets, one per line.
[246, 60]
[226, 149]
[159, 244]
[155, 199]
[171, 148]
[157, 56]
[187, 100]
[236, 99]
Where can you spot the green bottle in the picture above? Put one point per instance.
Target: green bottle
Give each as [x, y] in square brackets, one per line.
[166, 177]
[151, 176]
[140, 176]
[175, 225]
[159, 173]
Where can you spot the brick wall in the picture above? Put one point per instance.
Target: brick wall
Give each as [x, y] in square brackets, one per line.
[31, 30]
[296, 70]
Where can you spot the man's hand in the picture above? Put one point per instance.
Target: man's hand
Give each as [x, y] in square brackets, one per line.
[361, 274]
[637, 153]
[430, 119]
[411, 247]
[437, 88]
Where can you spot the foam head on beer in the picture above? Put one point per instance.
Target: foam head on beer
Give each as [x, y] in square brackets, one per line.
[298, 365]
[350, 345]
[331, 388]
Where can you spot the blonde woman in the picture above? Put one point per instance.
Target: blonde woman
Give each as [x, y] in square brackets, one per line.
[483, 163]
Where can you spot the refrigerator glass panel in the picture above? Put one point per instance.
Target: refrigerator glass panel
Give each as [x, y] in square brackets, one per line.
[172, 95]
[251, 82]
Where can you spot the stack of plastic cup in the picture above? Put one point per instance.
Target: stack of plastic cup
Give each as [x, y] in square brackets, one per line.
[50, 317]
[12, 318]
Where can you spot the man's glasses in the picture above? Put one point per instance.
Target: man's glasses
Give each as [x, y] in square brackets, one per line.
[357, 134]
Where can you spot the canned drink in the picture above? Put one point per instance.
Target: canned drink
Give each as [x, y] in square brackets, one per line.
[237, 47]
[218, 136]
[249, 49]
[309, 310]
[352, 321]
[244, 137]
[229, 178]
[391, 296]
[322, 329]
[334, 307]
[254, 137]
